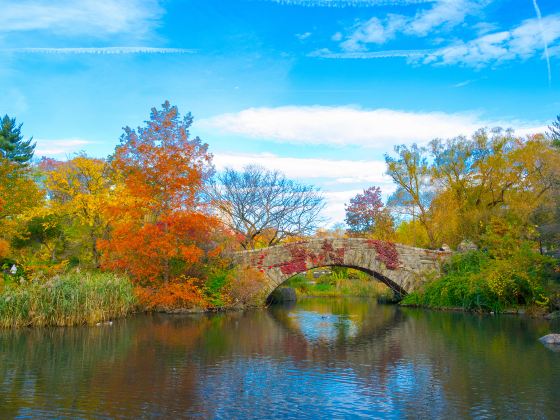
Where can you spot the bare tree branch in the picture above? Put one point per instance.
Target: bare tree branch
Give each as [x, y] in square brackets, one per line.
[256, 201]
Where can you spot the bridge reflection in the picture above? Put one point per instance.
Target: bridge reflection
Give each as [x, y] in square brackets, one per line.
[375, 359]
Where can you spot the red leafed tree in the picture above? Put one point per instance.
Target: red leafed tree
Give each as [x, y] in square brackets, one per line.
[160, 229]
[366, 212]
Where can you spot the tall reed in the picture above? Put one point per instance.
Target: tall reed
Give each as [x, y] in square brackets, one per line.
[69, 299]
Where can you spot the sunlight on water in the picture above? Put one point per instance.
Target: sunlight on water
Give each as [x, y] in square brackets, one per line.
[324, 327]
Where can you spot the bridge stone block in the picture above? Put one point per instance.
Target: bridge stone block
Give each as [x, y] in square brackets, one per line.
[401, 267]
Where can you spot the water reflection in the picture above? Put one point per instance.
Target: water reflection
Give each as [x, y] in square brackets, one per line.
[321, 357]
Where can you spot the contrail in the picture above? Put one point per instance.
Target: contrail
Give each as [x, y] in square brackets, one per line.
[100, 50]
[539, 17]
[350, 3]
[325, 53]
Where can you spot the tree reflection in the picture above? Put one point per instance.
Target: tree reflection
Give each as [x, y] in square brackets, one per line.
[368, 359]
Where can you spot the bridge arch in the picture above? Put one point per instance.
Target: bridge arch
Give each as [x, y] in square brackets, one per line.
[395, 287]
[402, 268]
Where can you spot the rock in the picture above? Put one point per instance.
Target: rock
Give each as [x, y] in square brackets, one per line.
[466, 246]
[445, 248]
[553, 315]
[551, 339]
[283, 294]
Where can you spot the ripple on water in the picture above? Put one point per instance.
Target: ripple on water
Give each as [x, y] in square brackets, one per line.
[328, 358]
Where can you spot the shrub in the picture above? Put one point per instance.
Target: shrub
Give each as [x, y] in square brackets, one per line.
[177, 295]
[300, 282]
[215, 288]
[4, 249]
[245, 287]
[476, 281]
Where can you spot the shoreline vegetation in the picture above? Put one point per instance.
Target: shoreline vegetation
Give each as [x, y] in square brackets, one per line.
[338, 281]
[69, 299]
[517, 280]
[153, 226]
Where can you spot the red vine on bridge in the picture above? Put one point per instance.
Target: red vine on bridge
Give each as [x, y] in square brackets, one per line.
[335, 255]
[298, 263]
[300, 256]
[386, 253]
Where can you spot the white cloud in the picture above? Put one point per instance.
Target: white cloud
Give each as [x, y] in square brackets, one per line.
[100, 50]
[59, 147]
[523, 42]
[482, 28]
[443, 14]
[334, 207]
[84, 17]
[449, 13]
[337, 36]
[374, 31]
[366, 55]
[337, 171]
[328, 174]
[533, 37]
[303, 36]
[346, 125]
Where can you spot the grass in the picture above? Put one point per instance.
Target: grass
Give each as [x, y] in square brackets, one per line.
[69, 299]
[339, 284]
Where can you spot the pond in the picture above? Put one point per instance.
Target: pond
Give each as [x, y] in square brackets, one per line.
[319, 358]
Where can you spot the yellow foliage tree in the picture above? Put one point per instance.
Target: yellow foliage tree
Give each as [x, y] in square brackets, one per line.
[79, 189]
[18, 194]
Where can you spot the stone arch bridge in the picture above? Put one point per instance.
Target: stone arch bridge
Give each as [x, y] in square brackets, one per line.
[402, 268]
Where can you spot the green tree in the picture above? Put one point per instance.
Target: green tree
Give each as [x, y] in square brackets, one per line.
[411, 172]
[12, 145]
[554, 133]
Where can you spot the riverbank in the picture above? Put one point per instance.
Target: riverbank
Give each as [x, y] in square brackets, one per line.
[531, 312]
[472, 282]
[524, 282]
[68, 299]
[93, 297]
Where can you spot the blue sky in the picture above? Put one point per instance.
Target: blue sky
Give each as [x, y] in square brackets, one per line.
[319, 89]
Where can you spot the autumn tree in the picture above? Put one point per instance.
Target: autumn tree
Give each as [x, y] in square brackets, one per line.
[258, 203]
[12, 144]
[459, 185]
[410, 172]
[492, 174]
[78, 191]
[160, 228]
[19, 194]
[338, 230]
[366, 213]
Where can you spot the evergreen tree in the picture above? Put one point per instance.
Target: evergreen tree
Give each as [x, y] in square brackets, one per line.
[554, 133]
[12, 145]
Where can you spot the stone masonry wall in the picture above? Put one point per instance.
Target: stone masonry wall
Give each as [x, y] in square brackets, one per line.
[403, 268]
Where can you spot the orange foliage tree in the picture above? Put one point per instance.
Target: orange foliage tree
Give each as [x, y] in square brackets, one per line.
[160, 229]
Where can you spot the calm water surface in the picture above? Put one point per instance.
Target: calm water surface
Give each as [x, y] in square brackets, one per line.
[321, 358]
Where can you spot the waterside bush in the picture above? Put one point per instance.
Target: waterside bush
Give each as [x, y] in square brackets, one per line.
[69, 299]
[484, 281]
[224, 288]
